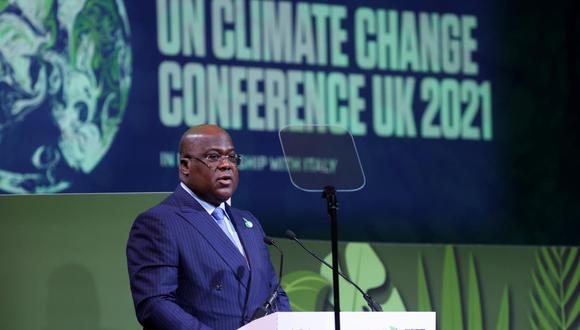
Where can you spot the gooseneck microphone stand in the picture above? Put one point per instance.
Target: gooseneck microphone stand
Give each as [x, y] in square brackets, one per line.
[369, 299]
[329, 194]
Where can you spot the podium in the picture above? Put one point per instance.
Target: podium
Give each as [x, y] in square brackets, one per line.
[348, 321]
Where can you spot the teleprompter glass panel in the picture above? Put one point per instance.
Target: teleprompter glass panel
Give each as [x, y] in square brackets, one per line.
[321, 155]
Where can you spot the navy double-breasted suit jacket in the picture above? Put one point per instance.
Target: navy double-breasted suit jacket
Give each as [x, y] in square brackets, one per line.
[185, 273]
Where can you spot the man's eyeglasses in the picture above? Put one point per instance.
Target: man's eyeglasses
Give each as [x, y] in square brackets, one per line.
[234, 159]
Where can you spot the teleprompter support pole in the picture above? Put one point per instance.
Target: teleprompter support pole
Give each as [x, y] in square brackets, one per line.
[329, 194]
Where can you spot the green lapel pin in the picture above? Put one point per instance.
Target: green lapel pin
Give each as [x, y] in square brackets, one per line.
[248, 223]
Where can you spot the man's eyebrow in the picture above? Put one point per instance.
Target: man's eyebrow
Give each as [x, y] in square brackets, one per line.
[220, 150]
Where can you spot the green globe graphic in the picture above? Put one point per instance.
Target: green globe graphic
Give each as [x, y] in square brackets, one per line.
[65, 75]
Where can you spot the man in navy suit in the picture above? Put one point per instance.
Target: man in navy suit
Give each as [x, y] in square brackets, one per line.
[195, 262]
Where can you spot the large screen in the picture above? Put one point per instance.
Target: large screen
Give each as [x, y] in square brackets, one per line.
[462, 112]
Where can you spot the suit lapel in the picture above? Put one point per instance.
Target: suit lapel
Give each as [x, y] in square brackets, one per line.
[252, 241]
[246, 235]
[197, 216]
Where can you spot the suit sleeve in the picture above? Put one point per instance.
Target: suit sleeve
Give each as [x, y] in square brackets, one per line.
[152, 259]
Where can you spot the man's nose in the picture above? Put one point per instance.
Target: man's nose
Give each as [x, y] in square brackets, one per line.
[224, 163]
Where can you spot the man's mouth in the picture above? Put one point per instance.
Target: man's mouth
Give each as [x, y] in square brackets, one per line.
[226, 179]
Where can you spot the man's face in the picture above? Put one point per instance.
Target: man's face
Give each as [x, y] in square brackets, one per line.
[213, 182]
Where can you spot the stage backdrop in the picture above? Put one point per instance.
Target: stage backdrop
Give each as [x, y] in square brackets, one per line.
[461, 111]
[63, 268]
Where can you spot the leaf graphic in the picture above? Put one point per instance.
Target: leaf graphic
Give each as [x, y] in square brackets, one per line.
[3, 4]
[364, 268]
[555, 296]
[575, 275]
[451, 312]
[503, 318]
[422, 288]
[304, 289]
[474, 317]
[394, 303]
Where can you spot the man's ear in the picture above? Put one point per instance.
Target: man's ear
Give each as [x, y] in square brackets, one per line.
[183, 166]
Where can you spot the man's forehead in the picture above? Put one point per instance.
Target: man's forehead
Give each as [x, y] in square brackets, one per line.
[209, 141]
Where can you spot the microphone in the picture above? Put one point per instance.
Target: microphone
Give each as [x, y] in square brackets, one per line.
[372, 304]
[263, 310]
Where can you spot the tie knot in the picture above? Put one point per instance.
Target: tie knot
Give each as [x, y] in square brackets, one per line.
[218, 213]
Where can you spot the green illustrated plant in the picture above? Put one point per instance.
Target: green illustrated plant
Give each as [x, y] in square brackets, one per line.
[310, 291]
[503, 319]
[451, 306]
[555, 296]
[306, 290]
[450, 315]
[474, 314]
[424, 298]
[364, 267]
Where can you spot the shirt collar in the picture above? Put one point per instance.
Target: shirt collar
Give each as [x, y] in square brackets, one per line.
[206, 206]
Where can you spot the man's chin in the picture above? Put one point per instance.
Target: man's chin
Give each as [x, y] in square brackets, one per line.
[224, 195]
